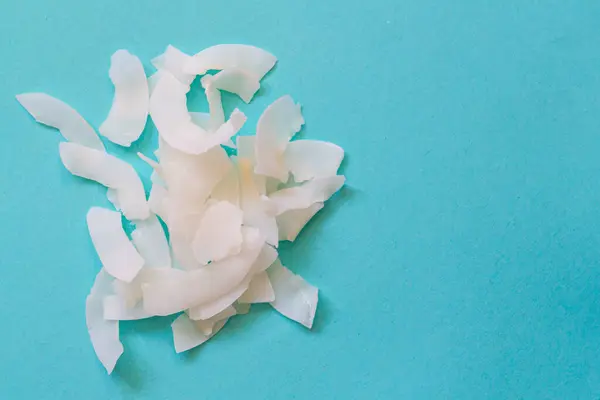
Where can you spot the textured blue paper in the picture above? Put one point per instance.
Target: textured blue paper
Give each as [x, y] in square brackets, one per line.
[461, 262]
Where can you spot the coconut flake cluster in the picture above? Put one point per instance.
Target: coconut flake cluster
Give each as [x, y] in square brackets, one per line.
[225, 215]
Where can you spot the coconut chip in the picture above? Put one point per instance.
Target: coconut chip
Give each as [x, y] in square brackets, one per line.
[50, 111]
[127, 117]
[253, 60]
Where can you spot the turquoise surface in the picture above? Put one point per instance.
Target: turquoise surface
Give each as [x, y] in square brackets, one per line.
[462, 261]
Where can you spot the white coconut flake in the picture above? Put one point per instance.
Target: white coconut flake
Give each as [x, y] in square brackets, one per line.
[203, 285]
[238, 82]
[150, 241]
[252, 60]
[228, 189]
[310, 159]
[266, 258]
[276, 126]
[186, 335]
[259, 290]
[303, 196]
[52, 112]
[108, 171]
[118, 255]
[215, 104]
[157, 201]
[256, 210]
[129, 112]
[115, 309]
[291, 222]
[219, 234]
[103, 334]
[173, 61]
[169, 112]
[209, 310]
[294, 297]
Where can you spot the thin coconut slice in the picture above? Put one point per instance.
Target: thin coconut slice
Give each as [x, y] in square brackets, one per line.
[294, 297]
[215, 104]
[129, 112]
[276, 126]
[219, 234]
[173, 61]
[186, 334]
[291, 222]
[110, 172]
[310, 159]
[259, 290]
[254, 205]
[253, 60]
[118, 255]
[51, 111]
[266, 258]
[300, 197]
[103, 334]
[206, 326]
[183, 223]
[131, 293]
[203, 120]
[115, 309]
[150, 241]
[169, 112]
[238, 82]
[203, 285]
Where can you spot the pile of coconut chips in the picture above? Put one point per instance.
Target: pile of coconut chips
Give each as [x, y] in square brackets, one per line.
[225, 215]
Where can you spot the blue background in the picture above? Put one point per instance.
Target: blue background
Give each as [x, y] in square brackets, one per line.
[462, 261]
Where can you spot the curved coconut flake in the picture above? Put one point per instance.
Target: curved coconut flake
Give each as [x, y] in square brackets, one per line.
[259, 290]
[294, 297]
[310, 159]
[104, 334]
[127, 116]
[115, 309]
[131, 292]
[203, 285]
[305, 195]
[276, 126]
[173, 61]
[186, 334]
[267, 256]
[253, 60]
[169, 112]
[183, 223]
[291, 222]
[153, 81]
[215, 104]
[206, 326]
[51, 111]
[203, 121]
[118, 256]
[110, 172]
[236, 81]
[254, 206]
[219, 233]
[150, 241]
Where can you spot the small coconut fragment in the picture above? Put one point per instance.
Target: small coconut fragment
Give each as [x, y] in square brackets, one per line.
[252, 60]
[303, 196]
[206, 326]
[103, 334]
[108, 171]
[203, 285]
[259, 291]
[310, 159]
[51, 111]
[219, 234]
[294, 297]
[129, 112]
[150, 241]
[173, 61]
[276, 126]
[236, 81]
[118, 255]
[291, 222]
[170, 115]
[186, 335]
